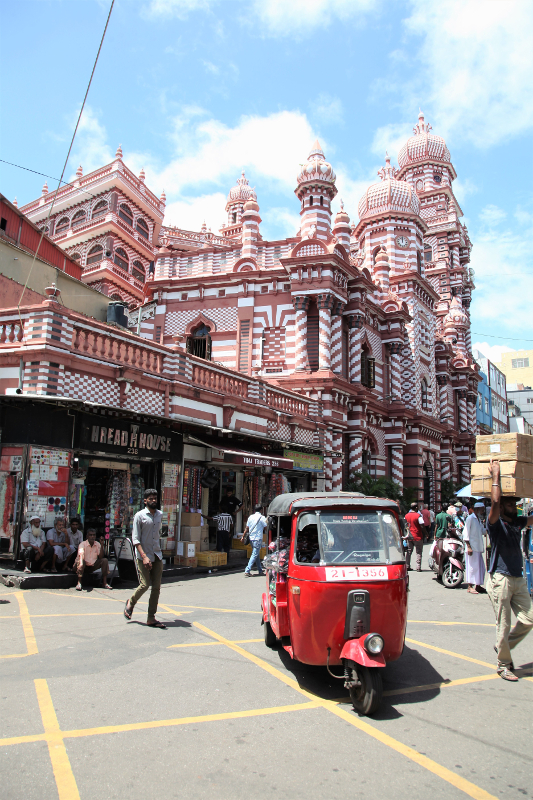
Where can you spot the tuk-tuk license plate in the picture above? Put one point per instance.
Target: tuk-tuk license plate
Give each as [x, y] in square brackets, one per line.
[356, 574]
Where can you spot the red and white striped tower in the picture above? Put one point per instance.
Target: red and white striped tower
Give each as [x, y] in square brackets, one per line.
[301, 360]
[342, 228]
[336, 336]
[325, 304]
[355, 452]
[336, 462]
[381, 268]
[327, 460]
[237, 197]
[395, 368]
[397, 463]
[250, 228]
[316, 189]
[355, 324]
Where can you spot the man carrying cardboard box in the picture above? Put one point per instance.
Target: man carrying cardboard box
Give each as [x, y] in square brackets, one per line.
[505, 584]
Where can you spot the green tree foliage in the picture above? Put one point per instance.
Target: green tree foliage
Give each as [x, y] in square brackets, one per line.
[448, 491]
[381, 487]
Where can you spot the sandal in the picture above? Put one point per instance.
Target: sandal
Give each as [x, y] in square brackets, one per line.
[106, 586]
[78, 587]
[506, 674]
[128, 611]
[157, 624]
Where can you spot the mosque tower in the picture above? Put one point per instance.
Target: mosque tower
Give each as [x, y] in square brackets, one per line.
[315, 191]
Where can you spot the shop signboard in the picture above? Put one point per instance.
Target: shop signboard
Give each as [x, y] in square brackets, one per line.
[305, 462]
[250, 459]
[113, 435]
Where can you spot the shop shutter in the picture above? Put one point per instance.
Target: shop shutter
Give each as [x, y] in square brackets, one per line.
[244, 345]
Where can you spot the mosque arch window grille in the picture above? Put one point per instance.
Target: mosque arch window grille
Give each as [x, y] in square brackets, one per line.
[424, 394]
[76, 256]
[100, 209]
[79, 218]
[138, 271]
[121, 259]
[199, 342]
[125, 214]
[63, 225]
[368, 368]
[142, 228]
[95, 254]
[428, 254]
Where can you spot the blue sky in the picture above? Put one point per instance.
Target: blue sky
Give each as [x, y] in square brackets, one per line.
[196, 90]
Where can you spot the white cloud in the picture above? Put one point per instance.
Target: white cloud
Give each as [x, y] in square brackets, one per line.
[190, 212]
[280, 222]
[390, 138]
[492, 215]
[212, 68]
[282, 18]
[477, 59]
[177, 8]
[462, 188]
[91, 149]
[327, 109]
[492, 352]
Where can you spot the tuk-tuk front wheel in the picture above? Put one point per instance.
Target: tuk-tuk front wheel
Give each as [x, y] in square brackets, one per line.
[367, 694]
[270, 636]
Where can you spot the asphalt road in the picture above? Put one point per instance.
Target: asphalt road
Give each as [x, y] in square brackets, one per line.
[93, 707]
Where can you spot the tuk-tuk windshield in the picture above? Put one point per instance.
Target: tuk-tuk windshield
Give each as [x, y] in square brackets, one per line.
[362, 537]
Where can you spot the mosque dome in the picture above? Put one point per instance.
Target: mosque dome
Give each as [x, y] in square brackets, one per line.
[423, 145]
[241, 192]
[389, 195]
[316, 168]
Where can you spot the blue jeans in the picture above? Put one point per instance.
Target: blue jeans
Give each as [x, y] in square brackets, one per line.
[255, 557]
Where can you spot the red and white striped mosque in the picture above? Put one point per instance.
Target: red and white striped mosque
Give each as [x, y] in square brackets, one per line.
[366, 319]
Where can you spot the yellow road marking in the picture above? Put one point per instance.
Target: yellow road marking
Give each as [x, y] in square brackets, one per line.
[29, 636]
[212, 644]
[436, 622]
[440, 685]
[64, 777]
[222, 610]
[451, 653]
[86, 614]
[432, 766]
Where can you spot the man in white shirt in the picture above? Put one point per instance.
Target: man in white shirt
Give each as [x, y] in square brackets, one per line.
[254, 528]
[59, 542]
[34, 548]
[474, 548]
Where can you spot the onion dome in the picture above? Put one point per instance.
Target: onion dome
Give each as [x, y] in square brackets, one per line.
[381, 259]
[142, 175]
[341, 217]
[423, 145]
[241, 192]
[118, 154]
[389, 195]
[316, 167]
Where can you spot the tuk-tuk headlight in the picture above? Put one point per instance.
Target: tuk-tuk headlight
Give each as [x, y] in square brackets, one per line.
[374, 644]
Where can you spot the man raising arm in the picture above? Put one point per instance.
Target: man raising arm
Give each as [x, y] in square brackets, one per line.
[506, 586]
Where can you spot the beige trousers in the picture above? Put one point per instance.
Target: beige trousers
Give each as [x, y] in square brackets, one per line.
[509, 594]
[149, 578]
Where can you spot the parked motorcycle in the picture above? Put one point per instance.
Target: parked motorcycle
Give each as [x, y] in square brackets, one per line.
[446, 558]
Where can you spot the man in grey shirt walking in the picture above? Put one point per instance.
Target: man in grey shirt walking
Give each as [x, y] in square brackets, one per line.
[145, 538]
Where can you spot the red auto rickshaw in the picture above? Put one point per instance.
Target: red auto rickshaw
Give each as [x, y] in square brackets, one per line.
[337, 586]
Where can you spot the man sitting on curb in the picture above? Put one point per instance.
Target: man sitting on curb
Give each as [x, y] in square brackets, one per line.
[34, 547]
[505, 584]
[89, 560]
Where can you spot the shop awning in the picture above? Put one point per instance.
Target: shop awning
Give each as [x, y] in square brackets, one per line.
[232, 455]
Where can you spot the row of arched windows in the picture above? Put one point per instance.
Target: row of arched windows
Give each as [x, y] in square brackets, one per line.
[100, 209]
[120, 258]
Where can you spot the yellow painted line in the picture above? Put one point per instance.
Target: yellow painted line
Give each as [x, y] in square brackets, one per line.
[29, 636]
[445, 774]
[451, 653]
[169, 723]
[213, 644]
[437, 622]
[64, 777]
[34, 737]
[427, 763]
[440, 685]
[222, 610]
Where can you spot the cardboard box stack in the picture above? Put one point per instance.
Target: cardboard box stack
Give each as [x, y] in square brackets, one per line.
[514, 451]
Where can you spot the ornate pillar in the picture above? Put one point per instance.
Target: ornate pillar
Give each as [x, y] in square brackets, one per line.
[444, 411]
[397, 463]
[336, 336]
[325, 304]
[336, 462]
[327, 460]
[355, 455]
[355, 324]
[395, 368]
[463, 416]
[301, 361]
[471, 400]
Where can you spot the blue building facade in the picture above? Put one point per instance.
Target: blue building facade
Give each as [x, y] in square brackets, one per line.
[484, 406]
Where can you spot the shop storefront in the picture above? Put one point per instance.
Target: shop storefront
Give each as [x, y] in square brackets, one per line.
[60, 461]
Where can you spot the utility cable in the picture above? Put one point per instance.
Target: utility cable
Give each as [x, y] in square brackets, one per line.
[501, 338]
[44, 175]
[67, 158]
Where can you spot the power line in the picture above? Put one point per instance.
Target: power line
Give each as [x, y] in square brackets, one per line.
[68, 156]
[44, 175]
[501, 338]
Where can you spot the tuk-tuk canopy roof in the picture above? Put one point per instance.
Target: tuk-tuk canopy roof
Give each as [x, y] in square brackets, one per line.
[293, 501]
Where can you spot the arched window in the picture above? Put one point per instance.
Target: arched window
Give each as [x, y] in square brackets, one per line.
[121, 259]
[419, 262]
[78, 218]
[137, 271]
[199, 342]
[75, 256]
[143, 229]
[311, 200]
[100, 209]
[116, 297]
[428, 253]
[124, 213]
[63, 225]
[321, 200]
[234, 217]
[95, 254]
[424, 394]
[368, 368]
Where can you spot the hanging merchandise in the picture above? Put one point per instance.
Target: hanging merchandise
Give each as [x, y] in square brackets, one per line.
[192, 488]
[169, 506]
[118, 501]
[47, 487]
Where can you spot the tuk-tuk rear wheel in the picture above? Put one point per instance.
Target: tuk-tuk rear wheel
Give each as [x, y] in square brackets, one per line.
[270, 636]
[366, 697]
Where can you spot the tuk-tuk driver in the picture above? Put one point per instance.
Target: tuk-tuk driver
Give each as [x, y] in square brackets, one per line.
[351, 539]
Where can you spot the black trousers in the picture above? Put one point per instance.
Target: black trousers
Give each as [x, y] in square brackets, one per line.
[224, 541]
[34, 557]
